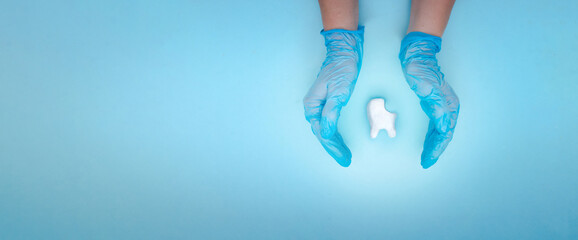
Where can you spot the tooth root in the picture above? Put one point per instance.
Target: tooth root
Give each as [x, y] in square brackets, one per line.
[391, 129]
[380, 118]
[391, 133]
[374, 132]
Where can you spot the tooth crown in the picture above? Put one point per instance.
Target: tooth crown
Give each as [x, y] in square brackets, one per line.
[380, 118]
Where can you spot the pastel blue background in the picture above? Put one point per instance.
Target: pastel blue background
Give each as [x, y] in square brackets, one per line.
[183, 120]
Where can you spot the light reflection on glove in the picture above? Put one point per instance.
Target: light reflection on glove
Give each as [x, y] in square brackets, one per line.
[333, 88]
[437, 98]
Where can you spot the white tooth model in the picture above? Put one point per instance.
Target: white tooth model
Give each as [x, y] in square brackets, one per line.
[380, 118]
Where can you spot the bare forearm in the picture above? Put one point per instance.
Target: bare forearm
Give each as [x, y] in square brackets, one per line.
[430, 16]
[339, 14]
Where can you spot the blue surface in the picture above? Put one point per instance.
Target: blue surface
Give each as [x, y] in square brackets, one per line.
[184, 120]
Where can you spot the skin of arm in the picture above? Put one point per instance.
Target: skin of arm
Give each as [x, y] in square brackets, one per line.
[339, 14]
[430, 16]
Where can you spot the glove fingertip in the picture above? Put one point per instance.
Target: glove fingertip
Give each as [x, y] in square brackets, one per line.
[345, 161]
[428, 161]
[342, 155]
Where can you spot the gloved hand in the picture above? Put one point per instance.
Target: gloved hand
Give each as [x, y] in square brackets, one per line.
[332, 89]
[437, 98]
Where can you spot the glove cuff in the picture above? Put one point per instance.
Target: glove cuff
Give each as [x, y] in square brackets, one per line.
[427, 43]
[344, 38]
[344, 43]
[360, 30]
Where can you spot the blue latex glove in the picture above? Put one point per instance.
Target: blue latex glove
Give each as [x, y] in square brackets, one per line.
[332, 89]
[437, 98]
